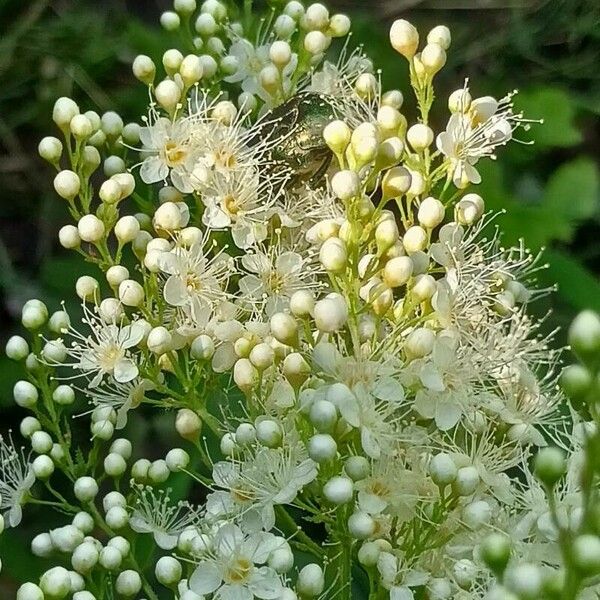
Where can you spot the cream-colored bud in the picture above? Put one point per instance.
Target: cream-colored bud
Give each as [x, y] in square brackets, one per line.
[417, 183]
[262, 356]
[419, 136]
[167, 94]
[396, 182]
[190, 69]
[81, 127]
[188, 424]
[339, 25]
[389, 119]
[345, 184]
[433, 58]
[270, 78]
[68, 236]
[67, 184]
[50, 148]
[386, 234]
[397, 271]
[440, 35]
[419, 342]
[116, 274]
[316, 17]
[280, 53]
[86, 287]
[245, 374]
[295, 368]
[131, 293]
[284, 328]
[209, 66]
[302, 303]
[64, 110]
[382, 301]
[316, 42]
[127, 229]
[90, 228]
[337, 136]
[331, 313]
[366, 85]
[225, 112]
[404, 38]
[431, 212]
[393, 98]
[144, 69]
[414, 239]
[110, 191]
[364, 149]
[127, 183]
[168, 217]
[423, 287]
[459, 101]
[333, 255]
[389, 152]
[159, 340]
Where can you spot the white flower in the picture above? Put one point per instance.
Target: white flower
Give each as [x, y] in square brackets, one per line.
[196, 282]
[367, 394]
[16, 479]
[265, 478]
[466, 139]
[275, 274]
[241, 202]
[169, 150]
[448, 380]
[232, 570]
[251, 59]
[393, 488]
[106, 351]
[122, 397]
[154, 513]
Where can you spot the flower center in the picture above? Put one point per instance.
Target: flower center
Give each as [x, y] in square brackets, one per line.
[109, 356]
[193, 282]
[238, 570]
[231, 204]
[241, 495]
[174, 153]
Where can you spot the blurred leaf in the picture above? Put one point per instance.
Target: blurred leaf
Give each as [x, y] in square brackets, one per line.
[555, 107]
[578, 286]
[573, 194]
[570, 197]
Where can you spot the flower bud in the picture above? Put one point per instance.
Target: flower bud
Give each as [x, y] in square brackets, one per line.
[268, 433]
[333, 256]
[550, 465]
[397, 271]
[245, 374]
[302, 303]
[316, 17]
[64, 110]
[584, 336]
[67, 184]
[339, 490]
[339, 25]
[34, 314]
[167, 94]
[361, 525]
[284, 328]
[50, 149]
[440, 35]
[337, 136]
[419, 136]
[91, 228]
[128, 583]
[419, 342]
[322, 448]
[431, 212]
[56, 583]
[345, 184]
[17, 348]
[331, 314]
[131, 293]
[442, 469]
[586, 554]
[311, 581]
[495, 552]
[316, 42]
[467, 481]
[126, 229]
[404, 38]
[86, 287]
[168, 571]
[415, 239]
[396, 182]
[190, 70]
[433, 58]
[459, 101]
[159, 340]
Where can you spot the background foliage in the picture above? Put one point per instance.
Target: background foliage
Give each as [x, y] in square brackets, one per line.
[549, 50]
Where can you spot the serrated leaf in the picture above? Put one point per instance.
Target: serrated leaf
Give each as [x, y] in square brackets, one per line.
[556, 108]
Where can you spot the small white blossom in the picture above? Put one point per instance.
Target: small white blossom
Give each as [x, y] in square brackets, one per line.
[16, 479]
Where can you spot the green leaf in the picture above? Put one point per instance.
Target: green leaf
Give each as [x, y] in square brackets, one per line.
[556, 108]
[578, 286]
[573, 192]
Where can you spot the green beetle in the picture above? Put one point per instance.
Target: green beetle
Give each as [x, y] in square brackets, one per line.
[296, 130]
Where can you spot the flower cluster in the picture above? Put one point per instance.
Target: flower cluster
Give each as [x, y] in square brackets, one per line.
[301, 274]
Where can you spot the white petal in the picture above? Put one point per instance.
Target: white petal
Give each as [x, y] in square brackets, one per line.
[205, 579]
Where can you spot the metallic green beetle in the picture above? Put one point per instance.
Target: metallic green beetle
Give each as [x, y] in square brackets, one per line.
[296, 130]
